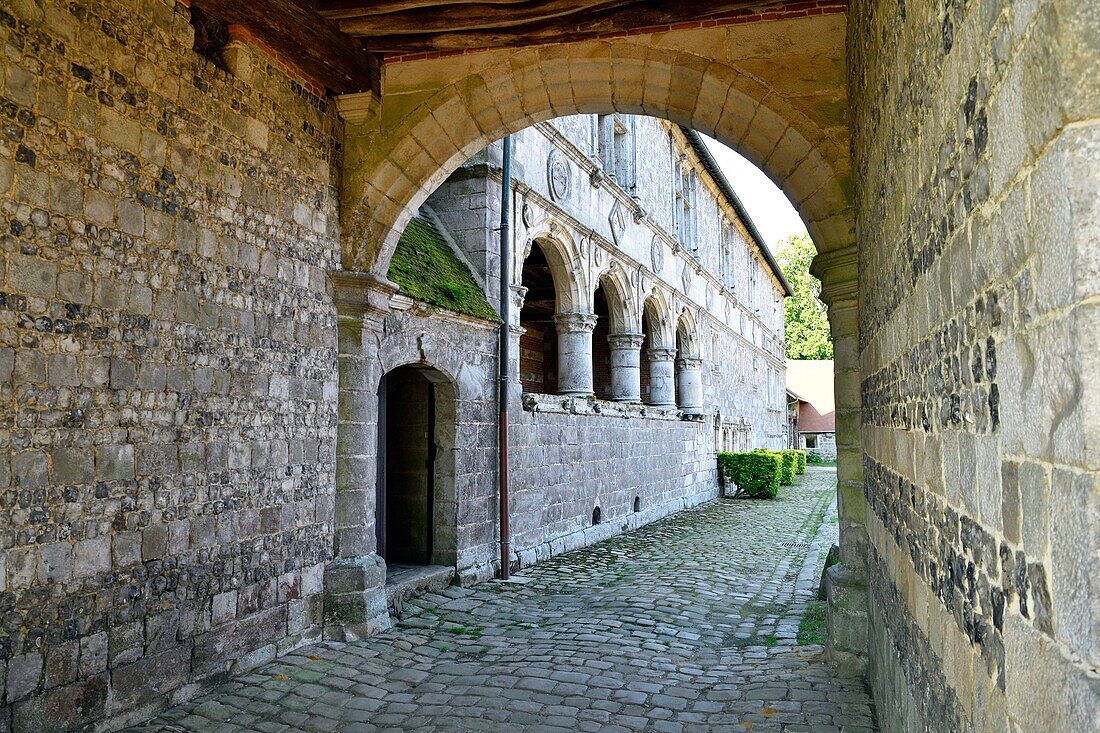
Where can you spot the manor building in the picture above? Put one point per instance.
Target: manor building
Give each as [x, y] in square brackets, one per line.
[646, 333]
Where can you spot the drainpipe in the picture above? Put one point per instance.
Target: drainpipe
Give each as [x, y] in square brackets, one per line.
[505, 356]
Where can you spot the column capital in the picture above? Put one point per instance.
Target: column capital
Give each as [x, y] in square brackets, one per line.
[362, 295]
[662, 354]
[689, 363]
[519, 295]
[625, 340]
[575, 322]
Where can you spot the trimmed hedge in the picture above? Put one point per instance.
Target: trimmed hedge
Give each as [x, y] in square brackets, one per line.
[756, 474]
[800, 461]
[786, 474]
[786, 464]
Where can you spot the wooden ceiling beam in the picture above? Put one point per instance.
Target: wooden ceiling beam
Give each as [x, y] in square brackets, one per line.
[467, 16]
[316, 46]
[335, 9]
[488, 24]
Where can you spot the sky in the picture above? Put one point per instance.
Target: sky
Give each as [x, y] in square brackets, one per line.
[769, 208]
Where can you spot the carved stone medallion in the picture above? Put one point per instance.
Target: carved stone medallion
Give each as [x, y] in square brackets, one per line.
[558, 175]
[657, 254]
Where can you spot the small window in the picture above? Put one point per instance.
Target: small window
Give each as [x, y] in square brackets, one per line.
[637, 504]
[596, 516]
[811, 441]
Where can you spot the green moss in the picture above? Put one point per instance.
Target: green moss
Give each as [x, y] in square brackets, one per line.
[426, 269]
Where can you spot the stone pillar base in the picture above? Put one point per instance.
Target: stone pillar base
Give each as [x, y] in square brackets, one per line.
[846, 592]
[355, 598]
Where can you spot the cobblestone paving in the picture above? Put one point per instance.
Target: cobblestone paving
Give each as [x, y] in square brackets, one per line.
[688, 624]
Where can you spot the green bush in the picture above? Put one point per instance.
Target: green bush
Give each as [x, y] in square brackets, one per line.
[786, 464]
[786, 473]
[755, 474]
[814, 457]
[800, 461]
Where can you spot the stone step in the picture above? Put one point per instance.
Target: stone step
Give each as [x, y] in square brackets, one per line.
[405, 582]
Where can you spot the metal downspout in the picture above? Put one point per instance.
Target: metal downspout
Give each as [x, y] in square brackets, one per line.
[505, 355]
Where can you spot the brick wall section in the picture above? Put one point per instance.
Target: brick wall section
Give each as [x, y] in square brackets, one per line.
[167, 361]
[975, 131]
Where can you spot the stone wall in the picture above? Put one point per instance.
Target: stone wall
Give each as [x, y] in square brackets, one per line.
[975, 141]
[570, 456]
[167, 360]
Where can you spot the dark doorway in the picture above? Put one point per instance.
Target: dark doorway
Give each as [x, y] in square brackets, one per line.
[538, 346]
[407, 471]
[601, 349]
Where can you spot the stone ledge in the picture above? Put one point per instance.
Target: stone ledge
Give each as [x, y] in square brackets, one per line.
[565, 405]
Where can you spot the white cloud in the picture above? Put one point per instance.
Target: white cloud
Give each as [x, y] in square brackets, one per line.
[767, 205]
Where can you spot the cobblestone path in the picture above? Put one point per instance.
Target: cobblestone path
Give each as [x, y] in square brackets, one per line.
[688, 624]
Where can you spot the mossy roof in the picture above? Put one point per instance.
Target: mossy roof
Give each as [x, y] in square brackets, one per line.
[427, 269]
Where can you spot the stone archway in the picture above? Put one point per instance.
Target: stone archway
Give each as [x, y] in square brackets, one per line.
[784, 110]
[740, 84]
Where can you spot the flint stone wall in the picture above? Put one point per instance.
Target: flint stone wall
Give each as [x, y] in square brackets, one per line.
[975, 140]
[167, 361]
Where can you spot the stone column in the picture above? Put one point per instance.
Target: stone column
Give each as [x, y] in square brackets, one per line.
[662, 377]
[355, 595]
[689, 385]
[575, 353]
[846, 582]
[626, 372]
[515, 331]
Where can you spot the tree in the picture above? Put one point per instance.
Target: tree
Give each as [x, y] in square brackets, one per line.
[806, 324]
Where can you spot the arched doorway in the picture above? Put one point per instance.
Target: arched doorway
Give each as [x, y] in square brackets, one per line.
[415, 486]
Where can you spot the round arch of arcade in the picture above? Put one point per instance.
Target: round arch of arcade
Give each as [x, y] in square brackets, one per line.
[607, 310]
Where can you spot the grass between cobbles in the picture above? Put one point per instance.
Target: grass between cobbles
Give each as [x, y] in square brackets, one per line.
[811, 630]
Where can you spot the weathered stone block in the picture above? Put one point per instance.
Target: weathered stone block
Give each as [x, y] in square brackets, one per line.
[93, 654]
[154, 541]
[24, 675]
[62, 664]
[71, 466]
[64, 708]
[33, 275]
[150, 677]
[55, 562]
[92, 556]
[114, 463]
[29, 469]
[126, 549]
